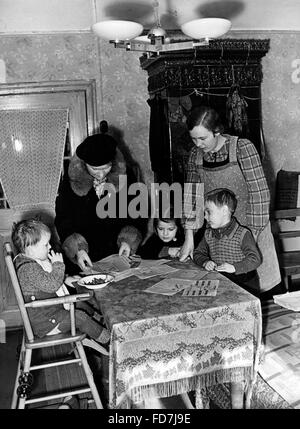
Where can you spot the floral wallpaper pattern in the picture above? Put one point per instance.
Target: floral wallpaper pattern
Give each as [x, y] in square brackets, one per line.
[120, 83]
[122, 88]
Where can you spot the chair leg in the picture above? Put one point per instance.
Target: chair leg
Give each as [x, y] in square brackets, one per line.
[25, 380]
[89, 375]
[14, 400]
[286, 282]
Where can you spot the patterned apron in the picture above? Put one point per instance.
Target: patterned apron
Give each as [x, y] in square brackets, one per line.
[230, 176]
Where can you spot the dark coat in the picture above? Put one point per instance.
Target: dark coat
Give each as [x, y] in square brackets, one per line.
[77, 223]
[155, 248]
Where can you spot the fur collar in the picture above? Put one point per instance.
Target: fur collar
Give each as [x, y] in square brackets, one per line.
[81, 181]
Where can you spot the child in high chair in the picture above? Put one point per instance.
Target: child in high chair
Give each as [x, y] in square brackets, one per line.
[41, 273]
[227, 246]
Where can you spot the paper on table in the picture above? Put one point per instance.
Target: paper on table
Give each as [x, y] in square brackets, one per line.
[147, 272]
[189, 274]
[124, 274]
[202, 288]
[289, 300]
[168, 286]
[152, 262]
[114, 262]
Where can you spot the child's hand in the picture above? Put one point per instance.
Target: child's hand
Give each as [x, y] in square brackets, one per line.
[124, 249]
[227, 268]
[83, 260]
[55, 256]
[174, 251]
[210, 265]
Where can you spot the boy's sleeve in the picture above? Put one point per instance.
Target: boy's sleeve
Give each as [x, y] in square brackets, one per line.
[201, 253]
[252, 258]
[32, 277]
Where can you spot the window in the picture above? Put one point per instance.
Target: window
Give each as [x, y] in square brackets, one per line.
[78, 97]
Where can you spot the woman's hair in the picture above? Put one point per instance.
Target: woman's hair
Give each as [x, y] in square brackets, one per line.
[205, 116]
[27, 233]
[222, 197]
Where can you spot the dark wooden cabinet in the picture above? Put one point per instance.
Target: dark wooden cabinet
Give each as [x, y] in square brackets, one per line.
[180, 80]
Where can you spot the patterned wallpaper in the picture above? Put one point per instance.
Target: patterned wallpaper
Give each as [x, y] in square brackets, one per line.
[120, 83]
[122, 88]
[280, 102]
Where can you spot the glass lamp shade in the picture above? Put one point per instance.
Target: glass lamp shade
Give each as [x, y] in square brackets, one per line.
[117, 30]
[206, 28]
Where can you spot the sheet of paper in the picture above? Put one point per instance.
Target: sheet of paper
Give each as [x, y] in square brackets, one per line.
[289, 300]
[152, 262]
[112, 263]
[202, 288]
[147, 272]
[168, 286]
[189, 274]
[89, 272]
[124, 274]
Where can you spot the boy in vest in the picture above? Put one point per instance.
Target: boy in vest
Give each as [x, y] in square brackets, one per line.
[227, 246]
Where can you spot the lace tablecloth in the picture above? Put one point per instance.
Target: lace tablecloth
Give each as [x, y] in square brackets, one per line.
[166, 345]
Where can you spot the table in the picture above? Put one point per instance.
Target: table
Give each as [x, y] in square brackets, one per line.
[163, 346]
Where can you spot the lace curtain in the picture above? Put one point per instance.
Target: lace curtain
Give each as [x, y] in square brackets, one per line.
[31, 156]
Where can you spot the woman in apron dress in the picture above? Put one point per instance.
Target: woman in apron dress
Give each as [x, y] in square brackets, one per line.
[220, 160]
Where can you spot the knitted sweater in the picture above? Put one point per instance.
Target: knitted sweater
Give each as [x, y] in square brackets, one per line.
[233, 244]
[37, 284]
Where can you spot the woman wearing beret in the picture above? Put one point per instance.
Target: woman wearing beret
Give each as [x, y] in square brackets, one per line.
[84, 236]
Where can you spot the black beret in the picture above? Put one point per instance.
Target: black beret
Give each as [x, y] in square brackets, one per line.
[98, 149]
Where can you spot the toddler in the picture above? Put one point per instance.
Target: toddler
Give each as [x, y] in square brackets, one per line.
[41, 274]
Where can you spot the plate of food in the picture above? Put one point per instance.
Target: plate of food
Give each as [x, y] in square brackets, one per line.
[95, 281]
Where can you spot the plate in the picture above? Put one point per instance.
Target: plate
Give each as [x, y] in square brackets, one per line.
[95, 281]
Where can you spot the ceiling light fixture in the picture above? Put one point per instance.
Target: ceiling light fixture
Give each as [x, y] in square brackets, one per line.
[127, 34]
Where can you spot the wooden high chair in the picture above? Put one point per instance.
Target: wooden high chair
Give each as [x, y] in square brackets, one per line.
[30, 342]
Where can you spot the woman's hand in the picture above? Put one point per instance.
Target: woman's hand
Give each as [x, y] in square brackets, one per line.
[227, 268]
[188, 247]
[174, 252]
[55, 256]
[124, 249]
[209, 266]
[83, 260]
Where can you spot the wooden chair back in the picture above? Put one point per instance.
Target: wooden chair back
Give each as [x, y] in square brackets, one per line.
[8, 254]
[289, 260]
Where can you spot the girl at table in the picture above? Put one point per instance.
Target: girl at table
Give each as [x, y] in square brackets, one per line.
[227, 246]
[41, 273]
[166, 240]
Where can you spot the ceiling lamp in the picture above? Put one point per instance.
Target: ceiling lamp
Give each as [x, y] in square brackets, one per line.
[127, 34]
